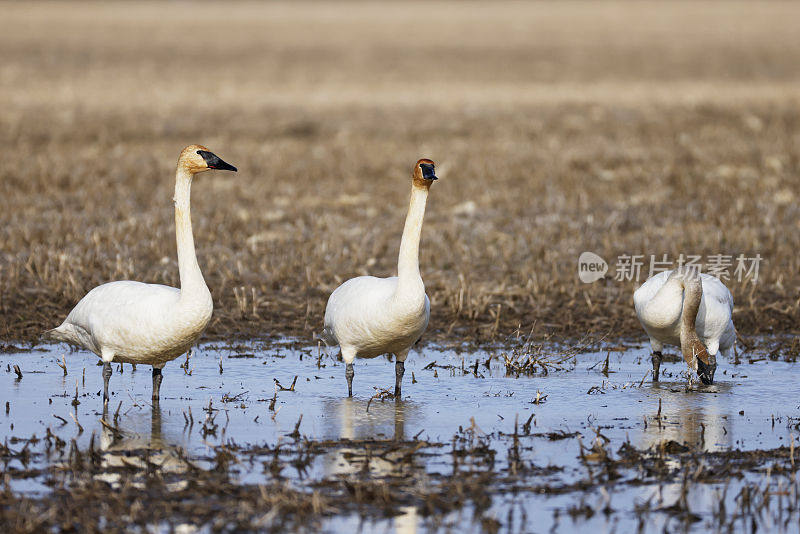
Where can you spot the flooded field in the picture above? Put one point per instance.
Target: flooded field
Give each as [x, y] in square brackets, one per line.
[652, 130]
[263, 437]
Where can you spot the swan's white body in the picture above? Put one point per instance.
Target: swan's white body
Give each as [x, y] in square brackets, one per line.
[132, 322]
[368, 316]
[659, 304]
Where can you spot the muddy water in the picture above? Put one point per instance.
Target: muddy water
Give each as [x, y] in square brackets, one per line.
[751, 406]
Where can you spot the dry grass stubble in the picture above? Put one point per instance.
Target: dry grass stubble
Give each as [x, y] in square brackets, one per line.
[548, 143]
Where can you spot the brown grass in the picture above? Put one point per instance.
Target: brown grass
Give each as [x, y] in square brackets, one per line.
[556, 128]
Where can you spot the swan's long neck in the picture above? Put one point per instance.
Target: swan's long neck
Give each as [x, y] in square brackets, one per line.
[192, 282]
[691, 346]
[692, 294]
[410, 280]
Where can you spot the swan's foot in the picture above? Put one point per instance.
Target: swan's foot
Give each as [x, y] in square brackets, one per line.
[656, 358]
[157, 378]
[349, 372]
[106, 377]
[399, 370]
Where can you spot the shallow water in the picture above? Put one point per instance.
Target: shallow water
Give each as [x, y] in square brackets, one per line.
[751, 406]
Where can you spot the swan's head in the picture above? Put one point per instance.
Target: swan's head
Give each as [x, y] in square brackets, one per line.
[197, 158]
[424, 173]
[696, 354]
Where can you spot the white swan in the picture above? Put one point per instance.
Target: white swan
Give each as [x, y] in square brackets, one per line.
[369, 316]
[693, 311]
[132, 322]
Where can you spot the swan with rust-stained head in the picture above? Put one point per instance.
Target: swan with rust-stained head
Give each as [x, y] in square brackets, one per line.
[691, 310]
[133, 322]
[368, 316]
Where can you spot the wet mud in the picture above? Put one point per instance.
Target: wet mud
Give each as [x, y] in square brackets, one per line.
[261, 437]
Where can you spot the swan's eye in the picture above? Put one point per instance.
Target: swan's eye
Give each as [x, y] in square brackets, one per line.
[198, 153]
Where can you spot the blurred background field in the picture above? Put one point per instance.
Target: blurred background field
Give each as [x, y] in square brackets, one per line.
[557, 128]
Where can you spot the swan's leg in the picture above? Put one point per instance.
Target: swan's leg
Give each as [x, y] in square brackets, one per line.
[399, 371]
[348, 355]
[157, 378]
[656, 346]
[349, 373]
[106, 376]
[657, 356]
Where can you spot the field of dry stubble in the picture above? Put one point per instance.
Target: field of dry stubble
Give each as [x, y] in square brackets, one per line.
[556, 128]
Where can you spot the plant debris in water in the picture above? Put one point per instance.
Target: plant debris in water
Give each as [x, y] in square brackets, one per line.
[95, 489]
[240, 451]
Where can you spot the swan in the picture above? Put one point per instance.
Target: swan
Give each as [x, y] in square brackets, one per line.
[692, 310]
[133, 322]
[368, 316]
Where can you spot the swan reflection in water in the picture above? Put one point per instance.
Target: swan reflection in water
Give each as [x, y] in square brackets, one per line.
[376, 451]
[138, 453]
[697, 419]
[385, 424]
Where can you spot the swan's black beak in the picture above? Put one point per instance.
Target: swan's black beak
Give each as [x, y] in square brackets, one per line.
[705, 372]
[428, 171]
[215, 162]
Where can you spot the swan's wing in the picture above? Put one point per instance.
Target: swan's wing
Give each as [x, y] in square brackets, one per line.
[354, 303]
[713, 288]
[648, 290]
[115, 309]
[715, 322]
[427, 316]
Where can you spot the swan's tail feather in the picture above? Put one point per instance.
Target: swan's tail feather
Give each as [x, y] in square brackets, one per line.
[55, 334]
[328, 338]
[50, 334]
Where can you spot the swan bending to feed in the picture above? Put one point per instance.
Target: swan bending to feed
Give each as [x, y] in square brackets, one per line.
[691, 310]
[368, 316]
[132, 322]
